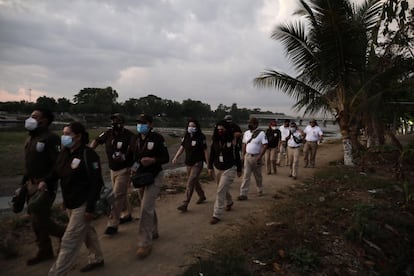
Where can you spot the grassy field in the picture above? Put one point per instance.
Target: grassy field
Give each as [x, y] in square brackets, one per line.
[12, 150]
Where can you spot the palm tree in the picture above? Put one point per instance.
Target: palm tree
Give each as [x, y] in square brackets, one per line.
[329, 49]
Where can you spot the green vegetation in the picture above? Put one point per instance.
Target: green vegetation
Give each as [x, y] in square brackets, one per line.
[341, 220]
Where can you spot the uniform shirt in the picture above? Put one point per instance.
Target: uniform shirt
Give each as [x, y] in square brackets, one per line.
[312, 133]
[224, 155]
[291, 142]
[273, 137]
[153, 145]
[41, 150]
[255, 144]
[79, 184]
[194, 146]
[284, 132]
[116, 147]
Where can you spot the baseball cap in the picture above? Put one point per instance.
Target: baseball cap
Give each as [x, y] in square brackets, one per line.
[144, 118]
[118, 116]
[228, 118]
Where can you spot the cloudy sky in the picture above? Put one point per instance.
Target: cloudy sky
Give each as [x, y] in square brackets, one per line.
[207, 50]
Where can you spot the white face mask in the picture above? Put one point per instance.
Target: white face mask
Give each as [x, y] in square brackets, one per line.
[30, 124]
[191, 130]
[273, 127]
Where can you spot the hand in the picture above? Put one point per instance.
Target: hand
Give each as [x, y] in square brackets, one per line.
[211, 173]
[146, 161]
[174, 160]
[42, 186]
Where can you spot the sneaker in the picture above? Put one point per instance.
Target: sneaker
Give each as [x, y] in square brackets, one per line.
[201, 200]
[125, 219]
[92, 266]
[111, 230]
[39, 258]
[242, 197]
[294, 177]
[182, 208]
[214, 220]
[155, 236]
[143, 252]
[228, 206]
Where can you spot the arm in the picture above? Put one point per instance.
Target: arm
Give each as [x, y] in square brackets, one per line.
[178, 153]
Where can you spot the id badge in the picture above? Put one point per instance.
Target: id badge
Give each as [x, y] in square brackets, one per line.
[221, 160]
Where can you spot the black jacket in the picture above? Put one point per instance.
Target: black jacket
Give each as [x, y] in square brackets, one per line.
[194, 147]
[152, 146]
[116, 143]
[80, 181]
[228, 151]
[41, 151]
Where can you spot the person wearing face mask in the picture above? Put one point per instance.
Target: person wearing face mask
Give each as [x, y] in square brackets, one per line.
[79, 170]
[294, 142]
[225, 157]
[117, 141]
[195, 146]
[284, 132]
[254, 147]
[149, 153]
[273, 137]
[40, 153]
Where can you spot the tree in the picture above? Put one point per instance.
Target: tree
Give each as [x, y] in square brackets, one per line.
[63, 105]
[329, 49]
[95, 100]
[46, 102]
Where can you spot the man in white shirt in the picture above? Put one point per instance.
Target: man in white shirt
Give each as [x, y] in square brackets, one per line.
[254, 146]
[313, 134]
[284, 130]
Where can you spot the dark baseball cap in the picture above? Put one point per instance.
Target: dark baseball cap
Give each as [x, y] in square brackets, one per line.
[118, 116]
[144, 118]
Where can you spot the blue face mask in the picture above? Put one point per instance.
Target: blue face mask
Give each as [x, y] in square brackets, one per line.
[142, 128]
[67, 141]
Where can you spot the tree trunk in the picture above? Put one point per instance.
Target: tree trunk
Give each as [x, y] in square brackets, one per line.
[346, 140]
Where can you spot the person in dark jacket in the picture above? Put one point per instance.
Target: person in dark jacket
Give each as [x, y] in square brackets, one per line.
[41, 150]
[225, 156]
[273, 137]
[195, 146]
[117, 141]
[149, 153]
[79, 170]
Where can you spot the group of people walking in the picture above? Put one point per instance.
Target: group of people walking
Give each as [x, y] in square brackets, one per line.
[71, 159]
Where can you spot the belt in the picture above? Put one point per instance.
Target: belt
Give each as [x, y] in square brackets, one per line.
[252, 154]
[311, 141]
[295, 147]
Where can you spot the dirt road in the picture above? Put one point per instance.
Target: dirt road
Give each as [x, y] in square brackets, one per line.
[182, 235]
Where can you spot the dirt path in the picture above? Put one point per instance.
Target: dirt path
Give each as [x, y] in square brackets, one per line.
[181, 235]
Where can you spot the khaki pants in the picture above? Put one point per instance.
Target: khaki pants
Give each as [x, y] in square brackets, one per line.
[282, 154]
[78, 230]
[193, 174]
[255, 167]
[148, 224]
[224, 180]
[120, 183]
[293, 157]
[309, 150]
[270, 160]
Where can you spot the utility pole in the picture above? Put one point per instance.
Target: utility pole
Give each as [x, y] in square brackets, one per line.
[30, 95]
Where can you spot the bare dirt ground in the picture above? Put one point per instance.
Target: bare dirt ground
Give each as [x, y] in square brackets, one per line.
[182, 235]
